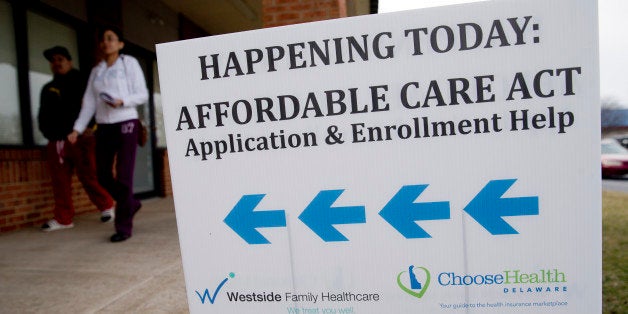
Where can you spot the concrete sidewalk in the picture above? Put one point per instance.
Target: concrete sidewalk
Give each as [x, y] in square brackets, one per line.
[79, 271]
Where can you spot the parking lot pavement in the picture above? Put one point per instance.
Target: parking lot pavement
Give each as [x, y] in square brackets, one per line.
[79, 271]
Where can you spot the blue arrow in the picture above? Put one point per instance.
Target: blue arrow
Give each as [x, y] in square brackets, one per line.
[401, 212]
[488, 207]
[320, 216]
[243, 220]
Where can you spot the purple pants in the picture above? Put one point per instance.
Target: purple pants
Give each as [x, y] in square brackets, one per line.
[118, 142]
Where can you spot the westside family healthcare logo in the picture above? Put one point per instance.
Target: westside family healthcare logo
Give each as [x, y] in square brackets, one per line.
[212, 298]
[285, 296]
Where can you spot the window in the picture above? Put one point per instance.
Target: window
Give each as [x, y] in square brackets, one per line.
[44, 33]
[159, 112]
[10, 125]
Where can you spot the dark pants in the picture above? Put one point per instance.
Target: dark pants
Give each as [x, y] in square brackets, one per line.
[118, 142]
[79, 156]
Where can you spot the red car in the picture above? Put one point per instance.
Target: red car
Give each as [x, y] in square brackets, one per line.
[614, 158]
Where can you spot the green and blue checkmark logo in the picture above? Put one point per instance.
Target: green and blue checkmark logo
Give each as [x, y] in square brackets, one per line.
[212, 298]
[415, 289]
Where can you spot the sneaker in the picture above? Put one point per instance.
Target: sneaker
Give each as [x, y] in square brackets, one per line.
[53, 225]
[107, 215]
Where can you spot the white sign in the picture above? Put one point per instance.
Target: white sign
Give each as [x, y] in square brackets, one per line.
[443, 160]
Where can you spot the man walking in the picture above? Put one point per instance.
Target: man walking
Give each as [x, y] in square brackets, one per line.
[60, 104]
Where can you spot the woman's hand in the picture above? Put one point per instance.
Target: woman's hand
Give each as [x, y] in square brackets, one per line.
[117, 103]
[72, 137]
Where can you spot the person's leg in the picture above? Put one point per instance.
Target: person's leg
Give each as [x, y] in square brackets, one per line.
[127, 205]
[85, 163]
[61, 175]
[107, 142]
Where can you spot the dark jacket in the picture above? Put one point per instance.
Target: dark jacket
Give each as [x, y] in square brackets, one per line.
[60, 104]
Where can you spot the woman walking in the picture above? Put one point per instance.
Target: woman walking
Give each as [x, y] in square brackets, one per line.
[115, 87]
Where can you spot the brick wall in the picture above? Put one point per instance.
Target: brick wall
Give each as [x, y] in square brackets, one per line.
[26, 190]
[26, 198]
[164, 173]
[285, 12]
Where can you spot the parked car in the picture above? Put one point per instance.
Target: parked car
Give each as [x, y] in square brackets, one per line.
[614, 158]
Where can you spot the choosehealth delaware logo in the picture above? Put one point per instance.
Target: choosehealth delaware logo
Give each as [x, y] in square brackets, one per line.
[416, 280]
[409, 282]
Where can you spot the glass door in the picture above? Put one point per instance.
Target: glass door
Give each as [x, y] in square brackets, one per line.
[144, 177]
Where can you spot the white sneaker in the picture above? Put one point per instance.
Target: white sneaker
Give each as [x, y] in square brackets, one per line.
[53, 225]
[107, 214]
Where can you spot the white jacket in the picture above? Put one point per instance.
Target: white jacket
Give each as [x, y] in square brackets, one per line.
[123, 80]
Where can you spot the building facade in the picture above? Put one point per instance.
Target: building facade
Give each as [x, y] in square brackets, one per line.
[27, 28]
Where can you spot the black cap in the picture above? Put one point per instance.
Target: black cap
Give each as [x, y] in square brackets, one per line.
[57, 50]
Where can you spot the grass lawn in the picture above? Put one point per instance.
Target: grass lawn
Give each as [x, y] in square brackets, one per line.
[615, 252]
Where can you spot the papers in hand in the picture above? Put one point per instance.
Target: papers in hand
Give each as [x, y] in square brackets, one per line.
[107, 99]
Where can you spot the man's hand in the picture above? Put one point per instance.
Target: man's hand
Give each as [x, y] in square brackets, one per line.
[72, 137]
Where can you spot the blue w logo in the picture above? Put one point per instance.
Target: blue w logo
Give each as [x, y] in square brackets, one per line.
[212, 298]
